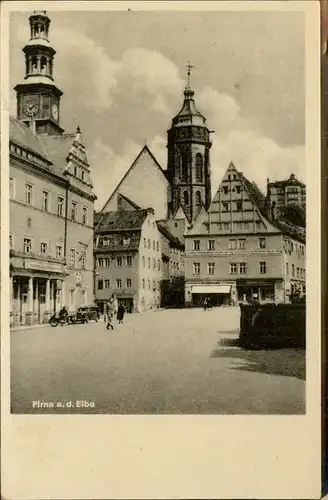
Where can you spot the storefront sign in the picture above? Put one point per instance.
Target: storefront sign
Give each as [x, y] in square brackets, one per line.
[39, 265]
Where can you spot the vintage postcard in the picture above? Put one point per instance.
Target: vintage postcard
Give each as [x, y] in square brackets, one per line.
[161, 249]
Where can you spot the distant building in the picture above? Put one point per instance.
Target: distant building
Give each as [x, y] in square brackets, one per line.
[51, 196]
[283, 194]
[234, 252]
[128, 259]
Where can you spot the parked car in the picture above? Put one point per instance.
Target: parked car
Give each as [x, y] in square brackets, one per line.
[87, 313]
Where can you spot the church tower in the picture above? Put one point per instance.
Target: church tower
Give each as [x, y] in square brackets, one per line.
[38, 99]
[188, 169]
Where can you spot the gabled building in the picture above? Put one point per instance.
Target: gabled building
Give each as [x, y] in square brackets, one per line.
[51, 195]
[235, 252]
[128, 259]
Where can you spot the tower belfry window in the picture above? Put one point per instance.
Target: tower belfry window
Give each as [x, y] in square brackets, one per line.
[184, 168]
[198, 199]
[186, 197]
[199, 167]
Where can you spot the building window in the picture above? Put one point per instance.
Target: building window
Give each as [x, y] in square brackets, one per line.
[12, 187]
[241, 244]
[149, 244]
[10, 241]
[196, 244]
[238, 189]
[100, 284]
[44, 248]
[210, 268]
[211, 244]
[145, 243]
[198, 198]
[83, 261]
[148, 284]
[118, 283]
[297, 272]
[45, 201]
[184, 168]
[27, 245]
[199, 167]
[158, 265]
[225, 189]
[84, 215]
[262, 242]
[143, 284]
[239, 205]
[143, 262]
[128, 283]
[60, 206]
[262, 267]
[119, 261]
[242, 268]
[232, 244]
[105, 241]
[154, 264]
[100, 262]
[196, 268]
[186, 197]
[157, 246]
[233, 268]
[28, 194]
[225, 206]
[73, 210]
[287, 269]
[72, 257]
[154, 245]
[129, 261]
[107, 283]
[71, 298]
[293, 270]
[59, 251]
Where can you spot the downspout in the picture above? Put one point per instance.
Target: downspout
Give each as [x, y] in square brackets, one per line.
[66, 220]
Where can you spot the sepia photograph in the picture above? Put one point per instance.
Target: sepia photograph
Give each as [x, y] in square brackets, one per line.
[157, 225]
[160, 260]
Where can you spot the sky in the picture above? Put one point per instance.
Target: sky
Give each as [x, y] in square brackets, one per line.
[123, 75]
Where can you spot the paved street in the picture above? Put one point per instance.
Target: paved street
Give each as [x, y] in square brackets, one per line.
[166, 361]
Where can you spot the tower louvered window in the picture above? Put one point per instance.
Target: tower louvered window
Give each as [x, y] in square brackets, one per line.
[199, 167]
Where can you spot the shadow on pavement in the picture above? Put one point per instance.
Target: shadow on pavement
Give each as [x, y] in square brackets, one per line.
[229, 342]
[285, 362]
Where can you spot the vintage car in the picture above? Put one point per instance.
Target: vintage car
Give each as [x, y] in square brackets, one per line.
[87, 313]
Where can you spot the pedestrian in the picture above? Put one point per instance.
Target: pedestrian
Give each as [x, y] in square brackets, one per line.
[205, 304]
[120, 313]
[110, 314]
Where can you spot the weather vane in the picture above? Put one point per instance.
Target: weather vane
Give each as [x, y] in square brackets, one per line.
[189, 68]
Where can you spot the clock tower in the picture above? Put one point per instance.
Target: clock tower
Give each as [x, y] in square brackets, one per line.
[38, 98]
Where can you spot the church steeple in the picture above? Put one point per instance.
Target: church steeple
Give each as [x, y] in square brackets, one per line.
[188, 167]
[38, 99]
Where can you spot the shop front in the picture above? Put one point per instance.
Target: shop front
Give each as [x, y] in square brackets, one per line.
[217, 294]
[260, 290]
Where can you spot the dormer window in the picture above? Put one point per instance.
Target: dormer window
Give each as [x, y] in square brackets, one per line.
[126, 241]
[105, 241]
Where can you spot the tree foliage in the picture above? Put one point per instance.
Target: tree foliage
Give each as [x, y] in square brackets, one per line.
[294, 214]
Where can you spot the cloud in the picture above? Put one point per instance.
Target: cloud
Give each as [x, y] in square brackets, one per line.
[236, 140]
[108, 167]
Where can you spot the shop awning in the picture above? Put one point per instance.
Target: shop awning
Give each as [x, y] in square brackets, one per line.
[211, 289]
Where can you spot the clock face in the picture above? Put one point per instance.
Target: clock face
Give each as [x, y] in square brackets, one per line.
[30, 108]
[54, 111]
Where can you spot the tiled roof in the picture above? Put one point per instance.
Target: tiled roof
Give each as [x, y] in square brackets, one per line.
[118, 242]
[174, 240]
[129, 201]
[287, 182]
[117, 221]
[22, 135]
[57, 147]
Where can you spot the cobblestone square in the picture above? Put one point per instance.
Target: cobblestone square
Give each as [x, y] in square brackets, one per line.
[161, 362]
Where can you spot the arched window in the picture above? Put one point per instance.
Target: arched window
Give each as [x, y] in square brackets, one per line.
[43, 65]
[34, 64]
[199, 167]
[184, 168]
[198, 198]
[186, 197]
